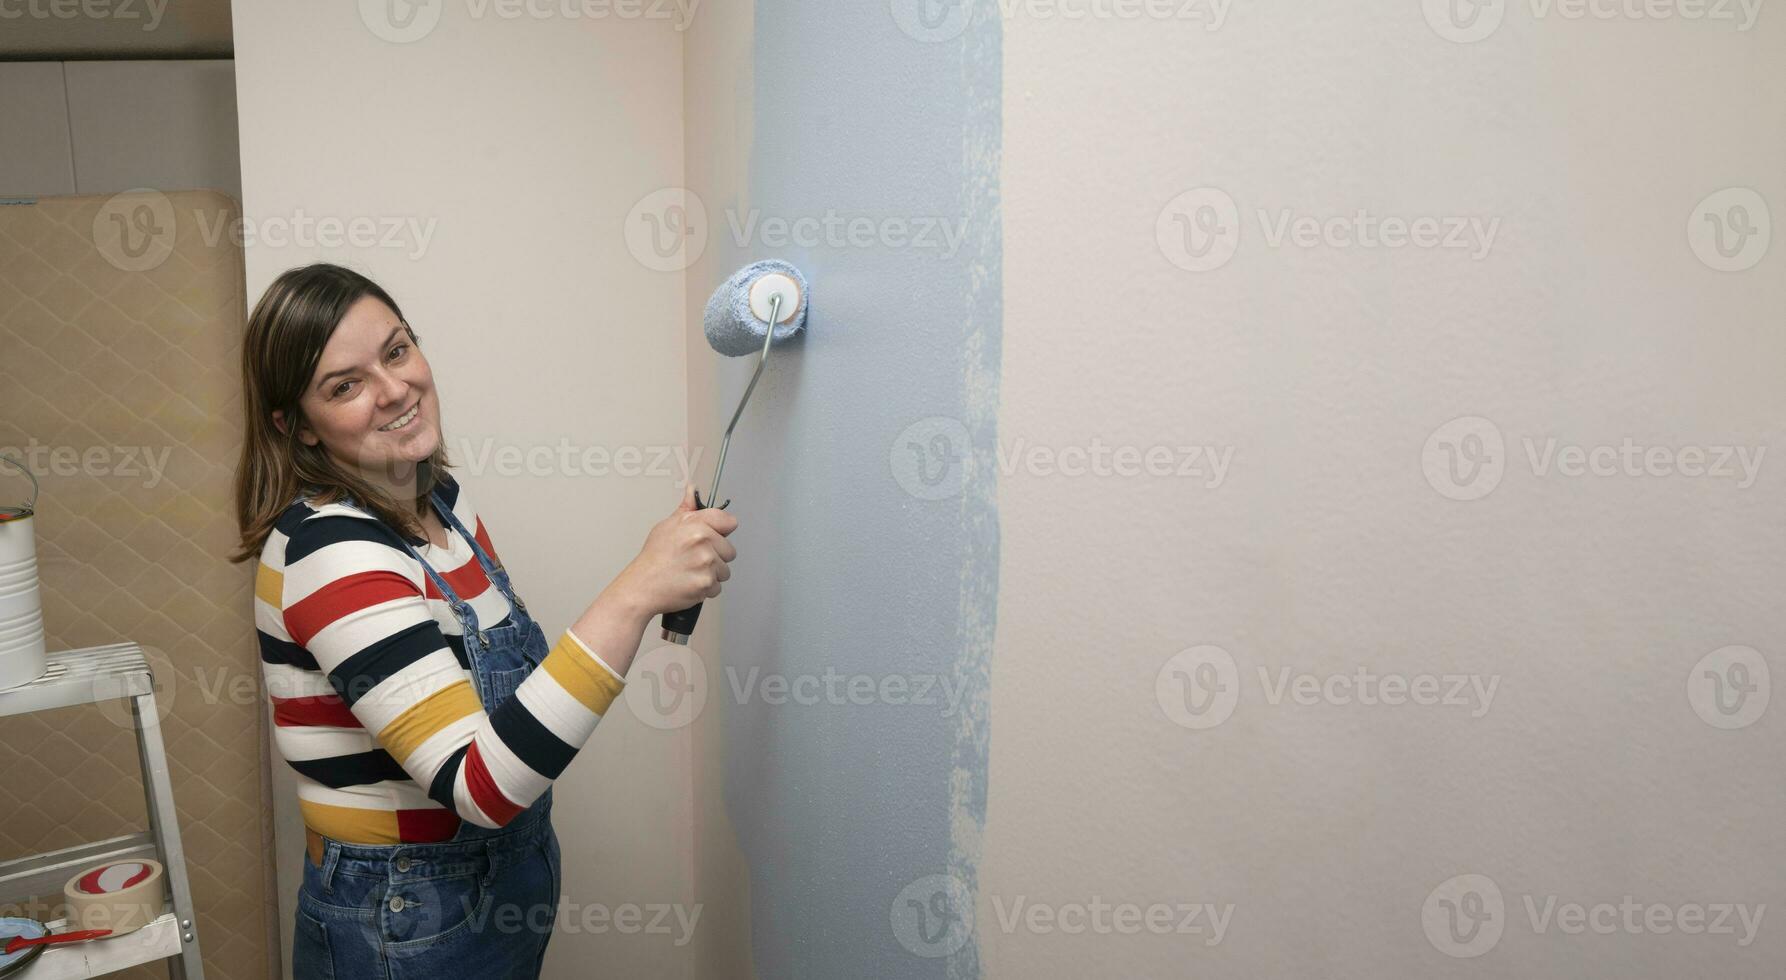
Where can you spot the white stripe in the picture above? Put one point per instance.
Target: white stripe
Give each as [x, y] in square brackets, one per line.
[406, 688]
[311, 743]
[425, 762]
[286, 681]
[368, 796]
[556, 709]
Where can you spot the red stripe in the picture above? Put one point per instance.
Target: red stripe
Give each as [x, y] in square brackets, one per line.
[468, 581]
[348, 594]
[483, 789]
[484, 540]
[426, 826]
[324, 709]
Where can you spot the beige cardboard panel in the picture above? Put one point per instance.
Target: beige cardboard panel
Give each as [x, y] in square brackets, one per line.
[122, 385]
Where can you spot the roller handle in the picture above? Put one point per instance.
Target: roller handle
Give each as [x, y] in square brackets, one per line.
[679, 626]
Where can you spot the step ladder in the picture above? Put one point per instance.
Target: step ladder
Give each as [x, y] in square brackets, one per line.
[91, 676]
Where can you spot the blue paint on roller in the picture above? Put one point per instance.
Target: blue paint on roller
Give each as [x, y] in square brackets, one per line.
[729, 324]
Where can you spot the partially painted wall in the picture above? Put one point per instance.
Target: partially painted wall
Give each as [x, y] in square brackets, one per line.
[857, 629]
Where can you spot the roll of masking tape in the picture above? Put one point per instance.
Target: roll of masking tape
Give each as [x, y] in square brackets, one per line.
[122, 896]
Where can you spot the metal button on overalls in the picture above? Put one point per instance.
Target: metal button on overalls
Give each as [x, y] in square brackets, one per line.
[402, 864]
[396, 903]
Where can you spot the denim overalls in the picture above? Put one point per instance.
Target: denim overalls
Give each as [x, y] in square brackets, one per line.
[479, 905]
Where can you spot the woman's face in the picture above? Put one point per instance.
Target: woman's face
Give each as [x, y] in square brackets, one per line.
[372, 375]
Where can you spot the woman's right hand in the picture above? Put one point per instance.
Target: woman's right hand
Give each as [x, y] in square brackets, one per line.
[684, 559]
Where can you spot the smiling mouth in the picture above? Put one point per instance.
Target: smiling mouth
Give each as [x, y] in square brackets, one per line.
[405, 420]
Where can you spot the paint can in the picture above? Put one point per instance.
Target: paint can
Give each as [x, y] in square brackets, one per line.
[21, 602]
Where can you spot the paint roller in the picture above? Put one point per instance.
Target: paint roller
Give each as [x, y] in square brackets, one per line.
[761, 304]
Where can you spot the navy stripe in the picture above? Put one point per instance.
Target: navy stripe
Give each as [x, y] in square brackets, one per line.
[276, 651]
[354, 677]
[318, 533]
[359, 769]
[441, 789]
[532, 742]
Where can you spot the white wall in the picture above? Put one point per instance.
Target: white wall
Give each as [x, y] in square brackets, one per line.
[1328, 826]
[519, 145]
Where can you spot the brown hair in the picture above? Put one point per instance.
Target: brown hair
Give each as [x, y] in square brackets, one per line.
[286, 334]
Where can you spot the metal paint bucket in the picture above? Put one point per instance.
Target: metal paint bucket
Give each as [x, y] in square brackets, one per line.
[21, 603]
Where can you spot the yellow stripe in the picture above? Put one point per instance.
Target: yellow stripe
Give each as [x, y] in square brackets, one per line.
[421, 720]
[269, 585]
[576, 672]
[350, 824]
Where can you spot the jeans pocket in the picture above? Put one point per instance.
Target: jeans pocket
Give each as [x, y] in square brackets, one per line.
[427, 910]
[503, 684]
[311, 958]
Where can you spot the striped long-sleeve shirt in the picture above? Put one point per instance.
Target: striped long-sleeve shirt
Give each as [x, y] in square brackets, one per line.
[373, 704]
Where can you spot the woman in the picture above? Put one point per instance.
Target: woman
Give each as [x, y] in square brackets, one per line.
[400, 662]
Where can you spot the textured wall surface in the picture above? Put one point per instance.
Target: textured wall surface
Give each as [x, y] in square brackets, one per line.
[862, 563]
[1342, 535]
